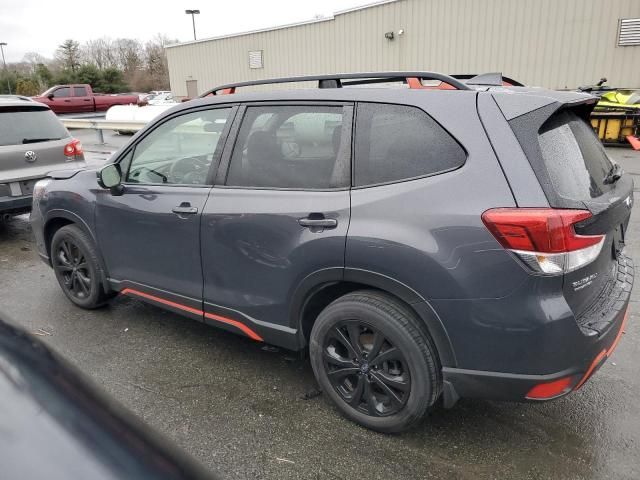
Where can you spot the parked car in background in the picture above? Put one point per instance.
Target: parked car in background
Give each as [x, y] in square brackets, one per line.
[149, 108]
[159, 98]
[420, 243]
[56, 425]
[33, 142]
[78, 98]
[135, 113]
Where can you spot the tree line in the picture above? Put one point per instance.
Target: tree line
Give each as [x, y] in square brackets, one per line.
[108, 65]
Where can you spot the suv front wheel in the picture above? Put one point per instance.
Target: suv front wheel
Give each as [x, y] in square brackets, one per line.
[374, 362]
[77, 268]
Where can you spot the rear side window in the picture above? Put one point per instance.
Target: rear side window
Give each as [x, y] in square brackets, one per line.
[396, 142]
[294, 147]
[574, 157]
[22, 125]
[79, 91]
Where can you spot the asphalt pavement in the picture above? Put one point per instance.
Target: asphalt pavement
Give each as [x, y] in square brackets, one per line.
[249, 411]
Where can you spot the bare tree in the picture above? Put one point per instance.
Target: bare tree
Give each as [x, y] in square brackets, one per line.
[128, 54]
[68, 54]
[156, 60]
[100, 52]
[33, 59]
[142, 66]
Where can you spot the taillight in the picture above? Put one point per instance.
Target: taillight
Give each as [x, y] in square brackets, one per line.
[544, 238]
[73, 150]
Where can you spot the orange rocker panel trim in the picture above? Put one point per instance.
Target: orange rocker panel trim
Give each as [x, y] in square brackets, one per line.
[240, 326]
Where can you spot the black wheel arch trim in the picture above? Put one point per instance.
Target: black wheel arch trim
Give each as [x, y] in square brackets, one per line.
[319, 280]
[77, 220]
[305, 289]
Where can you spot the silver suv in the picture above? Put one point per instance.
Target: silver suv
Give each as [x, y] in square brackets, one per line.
[33, 142]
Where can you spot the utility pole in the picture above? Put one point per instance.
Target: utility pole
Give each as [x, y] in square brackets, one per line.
[193, 14]
[6, 72]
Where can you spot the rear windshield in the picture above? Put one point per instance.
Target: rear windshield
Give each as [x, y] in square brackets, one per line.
[22, 125]
[574, 157]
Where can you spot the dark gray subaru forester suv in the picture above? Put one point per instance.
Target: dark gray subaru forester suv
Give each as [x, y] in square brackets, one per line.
[456, 240]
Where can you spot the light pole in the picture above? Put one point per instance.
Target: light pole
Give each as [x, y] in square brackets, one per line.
[4, 44]
[193, 14]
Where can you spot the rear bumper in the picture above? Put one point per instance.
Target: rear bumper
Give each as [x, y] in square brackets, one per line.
[515, 387]
[15, 205]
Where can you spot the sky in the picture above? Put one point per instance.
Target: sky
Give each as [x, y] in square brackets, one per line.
[41, 25]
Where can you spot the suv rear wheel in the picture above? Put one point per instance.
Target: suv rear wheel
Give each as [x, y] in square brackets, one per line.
[373, 361]
[77, 268]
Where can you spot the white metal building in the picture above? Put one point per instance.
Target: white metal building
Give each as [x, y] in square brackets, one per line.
[550, 43]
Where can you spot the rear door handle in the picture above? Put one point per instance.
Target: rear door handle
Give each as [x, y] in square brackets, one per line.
[185, 208]
[318, 222]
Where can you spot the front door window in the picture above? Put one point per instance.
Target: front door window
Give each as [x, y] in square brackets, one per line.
[178, 152]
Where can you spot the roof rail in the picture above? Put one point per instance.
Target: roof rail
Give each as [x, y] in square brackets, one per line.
[336, 80]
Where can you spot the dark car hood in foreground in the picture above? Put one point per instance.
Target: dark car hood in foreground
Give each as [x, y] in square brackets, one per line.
[54, 425]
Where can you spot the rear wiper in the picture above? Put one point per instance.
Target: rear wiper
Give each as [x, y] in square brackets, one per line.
[36, 140]
[615, 173]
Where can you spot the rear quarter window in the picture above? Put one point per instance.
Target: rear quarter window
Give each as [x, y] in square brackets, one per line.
[397, 142]
[574, 157]
[21, 125]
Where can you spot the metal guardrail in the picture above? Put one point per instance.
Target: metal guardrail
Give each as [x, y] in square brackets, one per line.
[99, 125]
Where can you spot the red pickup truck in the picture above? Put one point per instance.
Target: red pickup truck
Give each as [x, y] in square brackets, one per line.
[80, 98]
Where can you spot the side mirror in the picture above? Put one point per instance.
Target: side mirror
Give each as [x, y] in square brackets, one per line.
[50, 96]
[110, 177]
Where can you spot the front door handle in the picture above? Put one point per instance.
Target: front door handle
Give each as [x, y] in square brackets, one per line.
[185, 208]
[319, 222]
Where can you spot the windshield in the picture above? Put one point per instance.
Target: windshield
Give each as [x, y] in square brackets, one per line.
[20, 125]
[47, 92]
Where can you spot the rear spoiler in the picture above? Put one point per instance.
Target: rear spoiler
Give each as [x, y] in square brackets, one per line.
[493, 79]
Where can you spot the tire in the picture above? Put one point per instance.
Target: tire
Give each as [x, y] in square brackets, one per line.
[406, 361]
[74, 261]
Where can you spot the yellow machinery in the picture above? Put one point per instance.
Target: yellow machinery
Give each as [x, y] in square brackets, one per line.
[616, 118]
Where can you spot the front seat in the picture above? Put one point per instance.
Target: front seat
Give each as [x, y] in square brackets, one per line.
[263, 153]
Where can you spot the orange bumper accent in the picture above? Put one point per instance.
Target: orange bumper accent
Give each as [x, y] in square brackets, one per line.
[604, 354]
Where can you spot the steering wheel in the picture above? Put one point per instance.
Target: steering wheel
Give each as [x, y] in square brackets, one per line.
[148, 175]
[190, 170]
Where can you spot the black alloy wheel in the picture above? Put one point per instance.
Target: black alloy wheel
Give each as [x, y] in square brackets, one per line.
[374, 361]
[72, 264]
[75, 262]
[366, 369]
